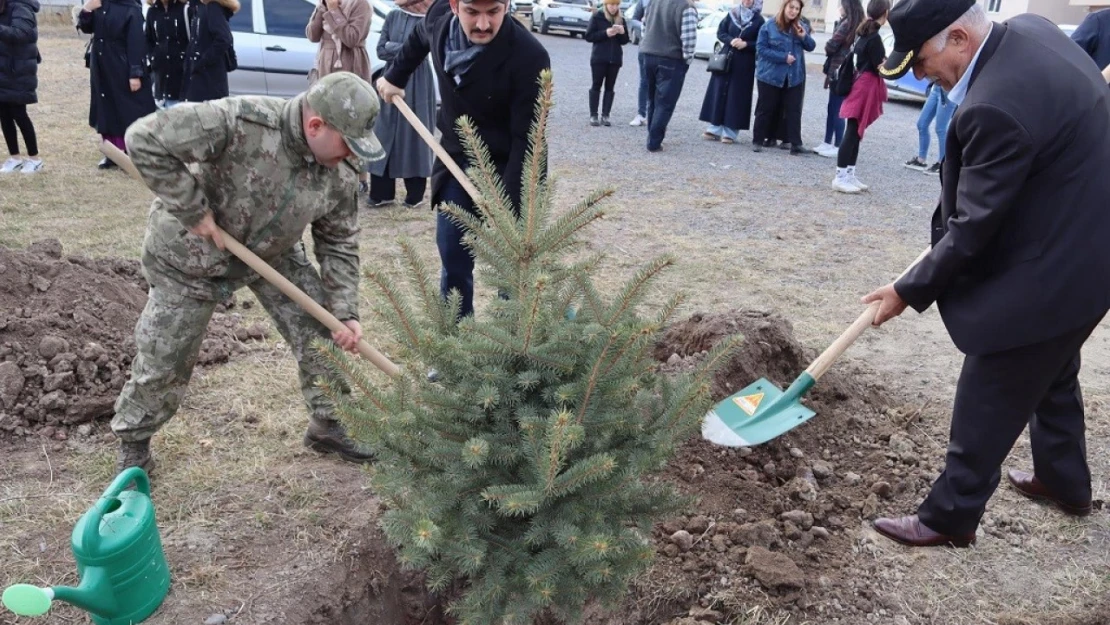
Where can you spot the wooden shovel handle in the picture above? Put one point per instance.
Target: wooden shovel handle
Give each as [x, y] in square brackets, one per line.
[845, 340]
[430, 139]
[270, 274]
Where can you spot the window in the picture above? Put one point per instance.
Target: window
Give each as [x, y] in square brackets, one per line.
[287, 18]
[243, 21]
[994, 6]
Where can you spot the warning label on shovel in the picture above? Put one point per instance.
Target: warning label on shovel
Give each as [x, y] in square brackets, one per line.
[749, 403]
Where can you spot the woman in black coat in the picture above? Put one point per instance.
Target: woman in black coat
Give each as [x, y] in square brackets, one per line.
[121, 90]
[206, 60]
[19, 66]
[608, 33]
[727, 106]
[167, 39]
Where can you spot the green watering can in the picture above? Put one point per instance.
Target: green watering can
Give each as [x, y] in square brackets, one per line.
[124, 576]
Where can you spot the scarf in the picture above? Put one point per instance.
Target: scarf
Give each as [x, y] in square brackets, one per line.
[460, 53]
[742, 15]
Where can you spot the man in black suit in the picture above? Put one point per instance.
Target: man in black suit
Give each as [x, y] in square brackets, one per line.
[1019, 265]
[488, 68]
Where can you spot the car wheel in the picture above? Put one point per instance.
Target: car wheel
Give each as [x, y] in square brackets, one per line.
[532, 23]
[717, 47]
[573, 35]
[543, 27]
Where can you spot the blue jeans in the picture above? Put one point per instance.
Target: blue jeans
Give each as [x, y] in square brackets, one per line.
[834, 125]
[939, 107]
[723, 131]
[665, 78]
[457, 265]
[641, 102]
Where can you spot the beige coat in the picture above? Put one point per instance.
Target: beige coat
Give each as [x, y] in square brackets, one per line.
[342, 37]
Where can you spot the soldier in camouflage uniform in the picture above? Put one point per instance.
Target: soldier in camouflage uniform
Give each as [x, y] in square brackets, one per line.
[264, 169]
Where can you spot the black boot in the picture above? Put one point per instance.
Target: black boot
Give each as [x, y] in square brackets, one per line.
[595, 97]
[329, 437]
[135, 454]
[106, 163]
[606, 106]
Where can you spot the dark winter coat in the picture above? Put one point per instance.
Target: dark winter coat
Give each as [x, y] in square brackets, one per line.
[167, 40]
[116, 55]
[728, 99]
[607, 50]
[498, 93]
[838, 46]
[206, 59]
[19, 56]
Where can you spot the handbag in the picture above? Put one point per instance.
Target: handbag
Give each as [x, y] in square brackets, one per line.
[841, 84]
[720, 61]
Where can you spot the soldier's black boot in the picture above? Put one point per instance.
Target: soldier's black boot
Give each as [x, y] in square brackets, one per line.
[329, 437]
[135, 454]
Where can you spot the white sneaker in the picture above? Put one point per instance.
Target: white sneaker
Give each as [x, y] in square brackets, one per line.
[31, 165]
[639, 120]
[827, 150]
[843, 184]
[856, 182]
[11, 165]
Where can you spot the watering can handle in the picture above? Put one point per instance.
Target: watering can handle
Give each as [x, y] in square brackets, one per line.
[90, 539]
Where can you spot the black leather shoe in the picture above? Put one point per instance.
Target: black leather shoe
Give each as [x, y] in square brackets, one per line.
[1027, 484]
[106, 163]
[909, 530]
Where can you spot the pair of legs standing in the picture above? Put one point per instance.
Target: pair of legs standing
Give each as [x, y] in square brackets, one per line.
[665, 77]
[12, 117]
[604, 75]
[846, 157]
[938, 108]
[768, 108]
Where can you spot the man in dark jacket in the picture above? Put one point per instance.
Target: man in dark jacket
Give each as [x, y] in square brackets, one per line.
[1019, 265]
[1093, 35]
[668, 49]
[488, 69]
[19, 66]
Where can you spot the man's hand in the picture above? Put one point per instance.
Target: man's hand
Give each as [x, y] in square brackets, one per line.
[388, 90]
[208, 229]
[890, 304]
[790, 59]
[348, 339]
[136, 84]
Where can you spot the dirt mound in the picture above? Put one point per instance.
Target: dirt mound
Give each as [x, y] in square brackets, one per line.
[66, 343]
[782, 524]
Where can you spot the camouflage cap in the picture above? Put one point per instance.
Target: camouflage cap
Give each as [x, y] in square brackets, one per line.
[348, 104]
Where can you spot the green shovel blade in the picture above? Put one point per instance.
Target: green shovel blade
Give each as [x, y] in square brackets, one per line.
[26, 600]
[758, 413]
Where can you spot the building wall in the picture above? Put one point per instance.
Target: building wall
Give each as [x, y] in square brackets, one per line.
[1059, 11]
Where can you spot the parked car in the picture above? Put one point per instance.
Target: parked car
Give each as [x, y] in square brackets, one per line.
[570, 16]
[708, 44]
[274, 54]
[520, 8]
[635, 27]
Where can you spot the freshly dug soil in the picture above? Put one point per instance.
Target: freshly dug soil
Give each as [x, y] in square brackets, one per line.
[66, 336]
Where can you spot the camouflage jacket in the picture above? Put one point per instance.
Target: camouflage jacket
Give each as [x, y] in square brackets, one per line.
[246, 159]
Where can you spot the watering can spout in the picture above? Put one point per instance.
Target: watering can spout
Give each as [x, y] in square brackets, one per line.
[94, 594]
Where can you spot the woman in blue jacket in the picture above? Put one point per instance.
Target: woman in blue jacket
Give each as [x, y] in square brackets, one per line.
[780, 74]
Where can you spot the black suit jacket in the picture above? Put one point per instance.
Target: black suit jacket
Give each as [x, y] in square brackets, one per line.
[498, 93]
[1021, 237]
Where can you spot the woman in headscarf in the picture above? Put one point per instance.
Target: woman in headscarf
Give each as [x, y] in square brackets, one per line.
[116, 60]
[407, 156]
[727, 106]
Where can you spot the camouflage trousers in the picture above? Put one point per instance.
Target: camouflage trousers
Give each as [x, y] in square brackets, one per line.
[168, 338]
